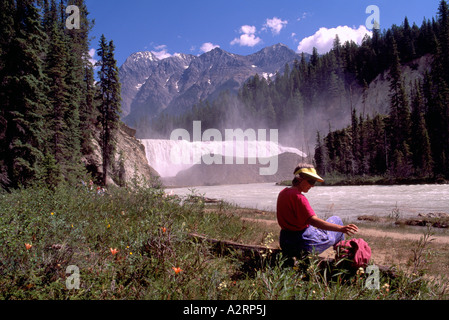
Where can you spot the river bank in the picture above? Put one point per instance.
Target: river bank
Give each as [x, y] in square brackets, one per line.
[348, 202]
[338, 180]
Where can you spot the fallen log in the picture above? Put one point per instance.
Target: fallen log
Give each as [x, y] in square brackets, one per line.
[257, 255]
[234, 245]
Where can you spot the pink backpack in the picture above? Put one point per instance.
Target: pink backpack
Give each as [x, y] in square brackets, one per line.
[356, 250]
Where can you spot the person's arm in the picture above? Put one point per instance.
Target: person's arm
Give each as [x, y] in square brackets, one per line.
[349, 229]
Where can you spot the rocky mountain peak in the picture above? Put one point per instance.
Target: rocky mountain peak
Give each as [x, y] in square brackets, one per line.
[174, 84]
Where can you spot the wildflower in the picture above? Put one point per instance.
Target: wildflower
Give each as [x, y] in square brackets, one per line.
[108, 226]
[113, 251]
[130, 253]
[222, 285]
[164, 229]
[52, 213]
[386, 286]
[360, 271]
[177, 270]
[28, 246]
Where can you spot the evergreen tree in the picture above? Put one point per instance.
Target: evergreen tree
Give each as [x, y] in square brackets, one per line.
[65, 81]
[420, 142]
[443, 38]
[399, 120]
[56, 127]
[331, 149]
[319, 155]
[364, 151]
[23, 113]
[355, 148]
[82, 76]
[7, 12]
[109, 102]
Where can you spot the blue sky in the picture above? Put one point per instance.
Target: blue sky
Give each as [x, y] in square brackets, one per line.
[241, 26]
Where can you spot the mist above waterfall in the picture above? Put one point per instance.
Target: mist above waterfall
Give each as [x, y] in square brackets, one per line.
[169, 157]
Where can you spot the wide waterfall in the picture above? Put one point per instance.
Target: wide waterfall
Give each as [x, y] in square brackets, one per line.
[168, 157]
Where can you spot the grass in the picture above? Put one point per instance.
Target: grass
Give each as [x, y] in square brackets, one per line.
[134, 244]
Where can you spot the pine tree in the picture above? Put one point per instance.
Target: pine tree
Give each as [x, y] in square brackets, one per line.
[420, 142]
[82, 74]
[65, 79]
[443, 37]
[319, 155]
[364, 152]
[436, 93]
[7, 11]
[109, 102]
[355, 147]
[24, 113]
[331, 149]
[56, 126]
[399, 120]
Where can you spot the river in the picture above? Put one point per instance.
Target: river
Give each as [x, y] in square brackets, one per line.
[348, 202]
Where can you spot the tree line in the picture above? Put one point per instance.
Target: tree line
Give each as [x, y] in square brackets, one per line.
[412, 140]
[52, 107]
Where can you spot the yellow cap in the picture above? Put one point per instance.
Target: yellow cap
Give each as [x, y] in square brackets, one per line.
[310, 172]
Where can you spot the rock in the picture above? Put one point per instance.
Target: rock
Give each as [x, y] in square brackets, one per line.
[131, 156]
[130, 159]
[434, 215]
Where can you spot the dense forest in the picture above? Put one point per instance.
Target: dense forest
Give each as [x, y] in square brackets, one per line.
[51, 103]
[411, 140]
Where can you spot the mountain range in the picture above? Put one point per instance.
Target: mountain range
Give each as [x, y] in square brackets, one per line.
[174, 84]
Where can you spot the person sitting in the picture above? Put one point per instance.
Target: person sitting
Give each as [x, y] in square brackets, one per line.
[302, 232]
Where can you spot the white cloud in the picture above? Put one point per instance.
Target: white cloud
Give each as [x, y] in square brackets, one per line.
[324, 38]
[248, 29]
[162, 52]
[208, 46]
[275, 25]
[248, 37]
[91, 58]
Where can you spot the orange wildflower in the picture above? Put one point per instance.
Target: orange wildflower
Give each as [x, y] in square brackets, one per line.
[28, 246]
[113, 251]
[177, 270]
[164, 229]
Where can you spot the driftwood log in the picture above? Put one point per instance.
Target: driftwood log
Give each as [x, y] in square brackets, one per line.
[257, 256]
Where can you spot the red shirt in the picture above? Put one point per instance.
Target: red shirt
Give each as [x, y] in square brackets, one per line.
[293, 210]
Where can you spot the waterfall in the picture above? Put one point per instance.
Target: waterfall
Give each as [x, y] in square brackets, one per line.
[168, 157]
